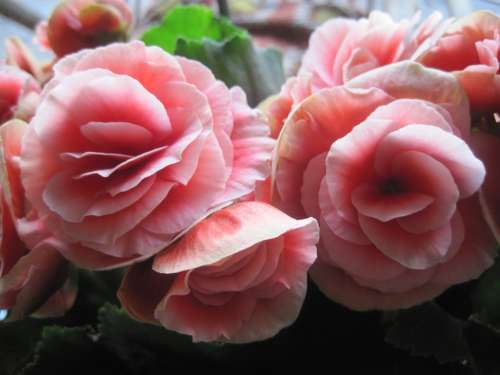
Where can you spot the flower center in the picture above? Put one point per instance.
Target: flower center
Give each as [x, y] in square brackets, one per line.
[391, 186]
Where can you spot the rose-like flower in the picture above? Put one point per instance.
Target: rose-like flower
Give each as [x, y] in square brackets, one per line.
[79, 24]
[34, 277]
[470, 48]
[121, 157]
[19, 94]
[486, 146]
[239, 275]
[383, 165]
[341, 49]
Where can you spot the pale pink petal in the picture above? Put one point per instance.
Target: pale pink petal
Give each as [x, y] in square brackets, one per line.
[309, 193]
[421, 173]
[185, 204]
[413, 81]
[91, 228]
[405, 112]
[361, 60]
[117, 134]
[252, 149]
[96, 96]
[106, 205]
[225, 233]
[347, 230]
[450, 150]
[350, 163]
[324, 44]
[151, 66]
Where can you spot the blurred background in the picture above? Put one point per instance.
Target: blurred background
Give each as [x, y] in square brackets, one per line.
[284, 24]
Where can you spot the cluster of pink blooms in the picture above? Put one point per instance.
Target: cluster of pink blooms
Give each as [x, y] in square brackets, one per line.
[372, 171]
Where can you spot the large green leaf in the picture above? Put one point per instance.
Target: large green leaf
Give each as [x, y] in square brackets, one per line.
[17, 341]
[143, 346]
[428, 330]
[63, 350]
[192, 24]
[195, 32]
[483, 342]
[486, 296]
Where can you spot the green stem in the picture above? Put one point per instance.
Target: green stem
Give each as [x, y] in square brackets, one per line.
[223, 8]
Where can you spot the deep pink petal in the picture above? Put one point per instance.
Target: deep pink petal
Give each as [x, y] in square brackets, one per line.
[141, 291]
[341, 288]
[415, 251]
[361, 260]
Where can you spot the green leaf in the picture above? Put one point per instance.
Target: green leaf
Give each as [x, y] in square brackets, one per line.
[196, 33]
[142, 345]
[192, 24]
[17, 341]
[483, 342]
[486, 298]
[62, 350]
[427, 330]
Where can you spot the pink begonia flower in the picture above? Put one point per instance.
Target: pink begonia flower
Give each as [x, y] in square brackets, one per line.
[34, 277]
[19, 94]
[486, 146]
[341, 49]
[239, 275]
[121, 157]
[470, 48]
[78, 24]
[19, 56]
[382, 163]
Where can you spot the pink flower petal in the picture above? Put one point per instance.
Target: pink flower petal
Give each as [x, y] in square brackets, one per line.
[225, 233]
[413, 81]
[338, 286]
[117, 134]
[369, 201]
[309, 193]
[450, 150]
[182, 312]
[477, 252]
[347, 230]
[91, 228]
[252, 149]
[185, 204]
[360, 260]
[32, 281]
[410, 250]
[141, 291]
